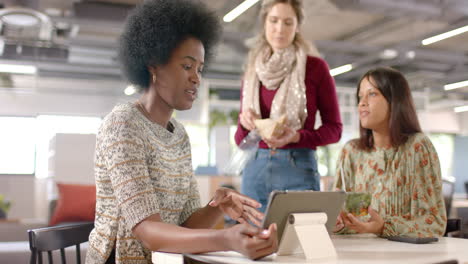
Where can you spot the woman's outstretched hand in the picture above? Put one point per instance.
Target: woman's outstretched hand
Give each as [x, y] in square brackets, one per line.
[237, 206]
[374, 225]
[251, 241]
[339, 224]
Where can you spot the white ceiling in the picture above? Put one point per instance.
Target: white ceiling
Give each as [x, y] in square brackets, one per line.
[345, 31]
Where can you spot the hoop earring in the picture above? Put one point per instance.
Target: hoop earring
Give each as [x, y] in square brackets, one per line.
[154, 78]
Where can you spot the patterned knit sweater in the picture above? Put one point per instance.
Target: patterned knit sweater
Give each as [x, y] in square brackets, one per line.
[141, 169]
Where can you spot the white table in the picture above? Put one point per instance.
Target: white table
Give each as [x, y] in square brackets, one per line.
[351, 249]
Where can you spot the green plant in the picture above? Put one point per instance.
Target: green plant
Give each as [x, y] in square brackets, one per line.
[220, 118]
[234, 116]
[217, 118]
[4, 204]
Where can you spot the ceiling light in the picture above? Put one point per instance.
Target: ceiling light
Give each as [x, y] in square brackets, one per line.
[130, 90]
[388, 54]
[410, 54]
[21, 69]
[456, 85]
[460, 109]
[445, 35]
[238, 10]
[341, 69]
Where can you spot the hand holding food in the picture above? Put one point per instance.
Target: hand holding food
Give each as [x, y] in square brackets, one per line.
[269, 128]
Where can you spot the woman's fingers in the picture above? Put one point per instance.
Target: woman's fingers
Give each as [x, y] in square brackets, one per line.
[247, 119]
[255, 213]
[245, 122]
[354, 220]
[237, 206]
[241, 220]
[217, 198]
[339, 224]
[356, 224]
[278, 142]
[234, 212]
[374, 214]
[345, 219]
[250, 217]
[270, 244]
[250, 230]
[247, 200]
[257, 242]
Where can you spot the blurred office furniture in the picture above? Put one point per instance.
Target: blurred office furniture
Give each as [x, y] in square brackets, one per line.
[453, 224]
[466, 189]
[448, 189]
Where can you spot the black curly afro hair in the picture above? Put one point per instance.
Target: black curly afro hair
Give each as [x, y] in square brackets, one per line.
[156, 27]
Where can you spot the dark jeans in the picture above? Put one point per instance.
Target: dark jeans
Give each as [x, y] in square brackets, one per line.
[281, 169]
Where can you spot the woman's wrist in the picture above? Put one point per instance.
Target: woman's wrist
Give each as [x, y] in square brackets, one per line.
[222, 238]
[214, 208]
[297, 137]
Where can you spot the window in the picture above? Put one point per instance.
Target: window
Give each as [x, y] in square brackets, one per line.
[444, 145]
[198, 135]
[17, 141]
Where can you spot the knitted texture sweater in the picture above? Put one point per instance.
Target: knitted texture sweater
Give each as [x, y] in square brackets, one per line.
[141, 169]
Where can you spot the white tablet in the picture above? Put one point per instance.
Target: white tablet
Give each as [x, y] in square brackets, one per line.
[283, 203]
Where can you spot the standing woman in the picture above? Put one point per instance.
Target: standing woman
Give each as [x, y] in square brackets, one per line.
[281, 78]
[147, 196]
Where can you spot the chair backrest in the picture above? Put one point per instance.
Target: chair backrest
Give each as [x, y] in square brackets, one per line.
[466, 189]
[52, 238]
[453, 225]
[448, 188]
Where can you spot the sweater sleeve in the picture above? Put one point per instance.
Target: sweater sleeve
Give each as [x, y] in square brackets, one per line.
[327, 104]
[427, 216]
[193, 202]
[125, 159]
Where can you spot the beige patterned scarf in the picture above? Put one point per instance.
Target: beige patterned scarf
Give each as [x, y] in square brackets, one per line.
[283, 70]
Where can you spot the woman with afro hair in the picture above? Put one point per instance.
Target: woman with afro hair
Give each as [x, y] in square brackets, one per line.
[147, 196]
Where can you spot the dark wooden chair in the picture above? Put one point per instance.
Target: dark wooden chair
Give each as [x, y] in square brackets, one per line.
[453, 225]
[52, 238]
[448, 188]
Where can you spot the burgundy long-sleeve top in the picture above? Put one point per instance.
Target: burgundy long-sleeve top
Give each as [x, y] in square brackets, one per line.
[320, 96]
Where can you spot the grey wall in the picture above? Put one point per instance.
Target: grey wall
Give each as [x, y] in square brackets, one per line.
[19, 189]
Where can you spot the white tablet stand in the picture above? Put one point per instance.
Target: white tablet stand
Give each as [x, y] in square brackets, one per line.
[306, 233]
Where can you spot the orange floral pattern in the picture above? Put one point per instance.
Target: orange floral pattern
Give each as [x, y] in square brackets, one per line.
[405, 184]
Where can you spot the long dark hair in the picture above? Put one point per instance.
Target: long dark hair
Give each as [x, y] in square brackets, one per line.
[403, 120]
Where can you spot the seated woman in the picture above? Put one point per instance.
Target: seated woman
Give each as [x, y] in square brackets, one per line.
[393, 161]
[147, 196]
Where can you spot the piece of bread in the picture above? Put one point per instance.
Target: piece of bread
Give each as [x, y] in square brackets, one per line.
[269, 128]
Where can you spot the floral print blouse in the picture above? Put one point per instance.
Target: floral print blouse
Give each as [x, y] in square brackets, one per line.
[405, 184]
